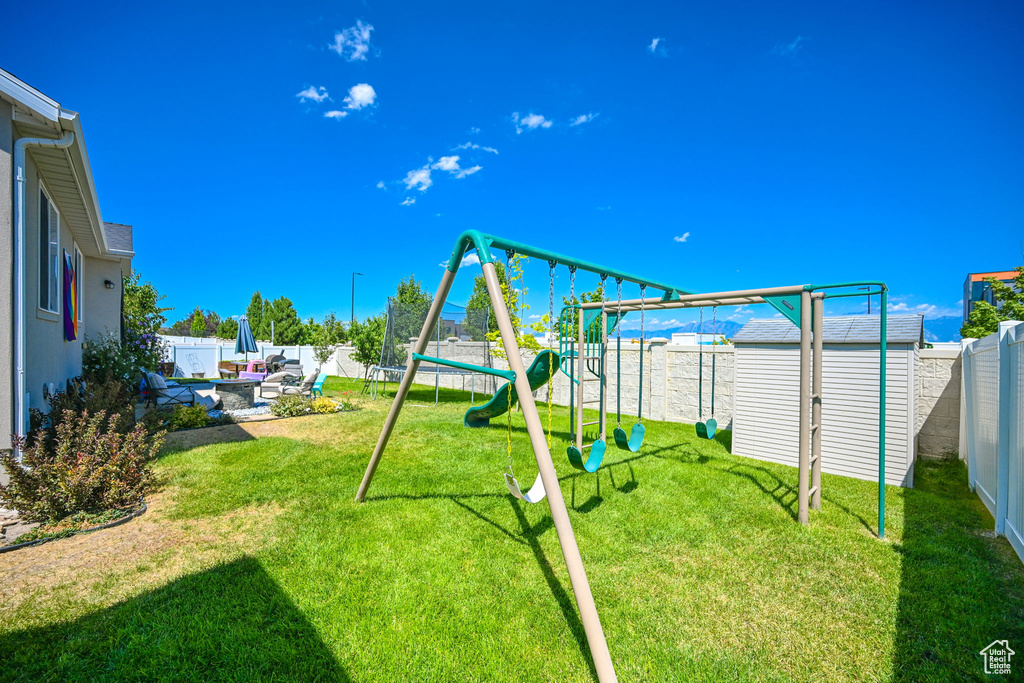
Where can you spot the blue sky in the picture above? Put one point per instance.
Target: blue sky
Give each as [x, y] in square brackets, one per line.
[717, 145]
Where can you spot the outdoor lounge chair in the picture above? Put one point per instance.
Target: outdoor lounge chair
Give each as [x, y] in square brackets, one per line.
[162, 394]
[318, 386]
[276, 382]
[304, 389]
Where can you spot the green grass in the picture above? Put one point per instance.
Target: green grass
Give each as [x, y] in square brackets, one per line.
[698, 567]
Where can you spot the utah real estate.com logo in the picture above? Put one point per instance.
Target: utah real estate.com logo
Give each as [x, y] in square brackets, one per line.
[997, 657]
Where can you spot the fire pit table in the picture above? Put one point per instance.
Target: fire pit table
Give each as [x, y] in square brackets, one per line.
[236, 394]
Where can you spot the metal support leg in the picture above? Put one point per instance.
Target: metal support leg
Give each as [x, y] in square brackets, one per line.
[403, 388]
[581, 352]
[817, 304]
[805, 408]
[559, 514]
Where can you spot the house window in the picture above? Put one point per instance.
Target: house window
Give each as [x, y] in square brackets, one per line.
[79, 280]
[49, 271]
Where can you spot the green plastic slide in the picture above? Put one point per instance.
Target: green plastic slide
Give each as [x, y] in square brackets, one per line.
[543, 367]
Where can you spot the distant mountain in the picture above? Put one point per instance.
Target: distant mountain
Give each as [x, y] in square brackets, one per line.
[943, 328]
[725, 327]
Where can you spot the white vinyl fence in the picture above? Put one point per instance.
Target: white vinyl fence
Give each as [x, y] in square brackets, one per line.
[993, 390]
[199, 356]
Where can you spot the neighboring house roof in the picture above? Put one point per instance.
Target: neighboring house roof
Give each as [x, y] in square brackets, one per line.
[66, 172]
[847, 329]
[119, 238]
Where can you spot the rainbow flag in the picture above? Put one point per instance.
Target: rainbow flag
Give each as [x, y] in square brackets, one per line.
[70, 299]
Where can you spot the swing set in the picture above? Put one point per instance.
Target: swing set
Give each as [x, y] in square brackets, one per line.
[582, 334]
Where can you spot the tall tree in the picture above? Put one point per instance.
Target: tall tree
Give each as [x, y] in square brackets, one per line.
[287, 327]
[985, 318]
[227, 328]
[198, 327]
[412, 304]
[255, 315]
[325, 337]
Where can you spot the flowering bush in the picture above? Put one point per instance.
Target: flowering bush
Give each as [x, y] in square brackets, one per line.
[107, 359]
[81, 465]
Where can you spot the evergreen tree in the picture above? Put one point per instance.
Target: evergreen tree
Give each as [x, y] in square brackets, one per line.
[227, 329]
[255, 315]
[985, 318]
[198, 328]
[287, 327]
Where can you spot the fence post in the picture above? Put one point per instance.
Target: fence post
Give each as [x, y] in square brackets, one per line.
[967, 371]
[1003, 432]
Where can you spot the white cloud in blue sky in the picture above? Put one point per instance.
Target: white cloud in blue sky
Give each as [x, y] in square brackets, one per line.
[418, 179]
[313, 94]
[682, 238]
[471, 145]
[583, 118]
[335, 114]
[353, 44]
[360, 95]
[408, 201]
[530, 122]
[657, 47]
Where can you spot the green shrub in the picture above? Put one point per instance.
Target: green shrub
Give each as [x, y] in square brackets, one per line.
[112, 396]
[82, 465]
[188, 417]
[292, 405]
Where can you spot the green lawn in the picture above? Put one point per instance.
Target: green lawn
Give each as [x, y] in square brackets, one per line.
[697, 565]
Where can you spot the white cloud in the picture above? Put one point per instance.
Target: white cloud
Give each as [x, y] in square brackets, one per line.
[418, 178]
[928, 310]
[530, 122]
[447, 164]
[360, 95]
[467, 260]
[682, 238]
[474, 130]
[353, 43]
[657, 47]
[583, 118]
[535, 316]
[313, 93]
[381, 185]
[472, 145]
[467, 171]
[408, 201]
[789, 49]
[335, 114]
[604, 208]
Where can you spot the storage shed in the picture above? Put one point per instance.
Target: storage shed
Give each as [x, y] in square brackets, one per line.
[766, 394]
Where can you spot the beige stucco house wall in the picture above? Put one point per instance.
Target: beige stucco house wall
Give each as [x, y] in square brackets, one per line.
[101, 251]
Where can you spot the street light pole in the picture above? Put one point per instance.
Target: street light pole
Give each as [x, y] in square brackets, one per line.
[869, 299]
[353, 321]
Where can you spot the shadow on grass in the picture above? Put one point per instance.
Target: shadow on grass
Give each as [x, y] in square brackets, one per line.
[231, 622]
[565, 603]
[960, 587]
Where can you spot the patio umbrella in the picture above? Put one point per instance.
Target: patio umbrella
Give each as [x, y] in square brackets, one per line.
[245, 342]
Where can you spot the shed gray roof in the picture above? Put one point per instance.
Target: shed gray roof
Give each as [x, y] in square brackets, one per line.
[847, 329]
[119, 237]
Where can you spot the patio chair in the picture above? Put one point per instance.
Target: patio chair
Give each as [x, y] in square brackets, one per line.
[275, 383]
[162, 394]
[318, 386]
[304, 389]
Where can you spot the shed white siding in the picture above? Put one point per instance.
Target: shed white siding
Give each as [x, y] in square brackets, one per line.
[766, 410]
